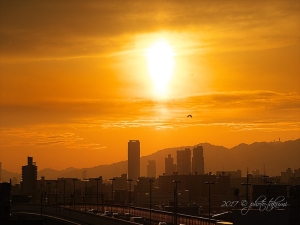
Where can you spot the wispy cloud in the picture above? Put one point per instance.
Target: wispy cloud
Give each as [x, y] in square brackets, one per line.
[91, 146]
[32, 138]
[114, 109]
[53, 139]
[239, 109]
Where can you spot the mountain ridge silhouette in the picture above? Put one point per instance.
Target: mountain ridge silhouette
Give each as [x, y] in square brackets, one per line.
[275, 157]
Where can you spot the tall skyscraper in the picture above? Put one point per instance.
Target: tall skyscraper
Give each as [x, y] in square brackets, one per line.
[198, 160]
[29, 177]
[184, 161]
[151, 168]
[133, 159]
[170, 167]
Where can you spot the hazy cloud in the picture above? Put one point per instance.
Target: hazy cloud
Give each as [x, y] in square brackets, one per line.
[253, 108]
[51, 30]
[208, 106]
[29, 137]
[19, 137]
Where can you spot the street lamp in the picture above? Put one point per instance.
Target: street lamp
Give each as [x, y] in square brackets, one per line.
[56, 182]
[49, 190]
[265, 179]
[122, 200]
[41, 200]
[74, 179]
[97, 179]
[129, 180]
[112, 192]
[269, 189]
[102, 200]
[175, 201]
[122, 197]
[64, 193]
[209, 183]
[247, 184]
[85, 187]
[150, 192]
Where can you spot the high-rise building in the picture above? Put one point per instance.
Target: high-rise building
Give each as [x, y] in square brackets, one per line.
[198, 160]
[151, 168]
[184, 161]
[29, 178]
[170, 167]
[133, 159]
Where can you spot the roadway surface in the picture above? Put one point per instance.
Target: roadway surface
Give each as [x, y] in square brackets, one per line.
[64, 215]
[74, 216]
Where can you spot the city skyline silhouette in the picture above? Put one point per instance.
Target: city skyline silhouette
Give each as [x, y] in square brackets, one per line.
[190, 196]
[76, 82]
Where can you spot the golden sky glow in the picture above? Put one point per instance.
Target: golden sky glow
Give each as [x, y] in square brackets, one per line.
[82, 78]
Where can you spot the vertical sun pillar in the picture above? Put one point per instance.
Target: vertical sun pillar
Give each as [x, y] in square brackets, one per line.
[160, 62]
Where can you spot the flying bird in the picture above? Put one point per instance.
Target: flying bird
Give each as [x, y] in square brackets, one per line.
[189, 116]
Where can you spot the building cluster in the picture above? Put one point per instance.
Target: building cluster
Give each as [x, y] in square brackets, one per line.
[194, 187]
[186, 163]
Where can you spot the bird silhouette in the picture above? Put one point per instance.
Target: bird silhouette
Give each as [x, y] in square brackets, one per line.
[189, 116]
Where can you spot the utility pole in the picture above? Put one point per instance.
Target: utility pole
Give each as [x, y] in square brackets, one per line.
[56, 182]
[150, 195]
[85, 189]
[209, 183]
[175, 200]
[97, 179]
[74, 179]
[64, 193]
[247, 184]
[112, 192]
[129, 180]
[49, 190]
[102, 200]
[41, 200]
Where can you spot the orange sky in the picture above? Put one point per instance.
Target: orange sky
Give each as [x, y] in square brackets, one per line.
[75, 86]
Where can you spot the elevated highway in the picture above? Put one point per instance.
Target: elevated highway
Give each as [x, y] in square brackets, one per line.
[60, 215]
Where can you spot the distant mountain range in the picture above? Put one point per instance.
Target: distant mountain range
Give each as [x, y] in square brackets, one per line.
[275, 157]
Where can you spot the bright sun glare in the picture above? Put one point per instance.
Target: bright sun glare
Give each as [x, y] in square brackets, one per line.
[160, 60]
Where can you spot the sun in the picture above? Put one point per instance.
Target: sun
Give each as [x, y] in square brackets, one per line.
[160, 61]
